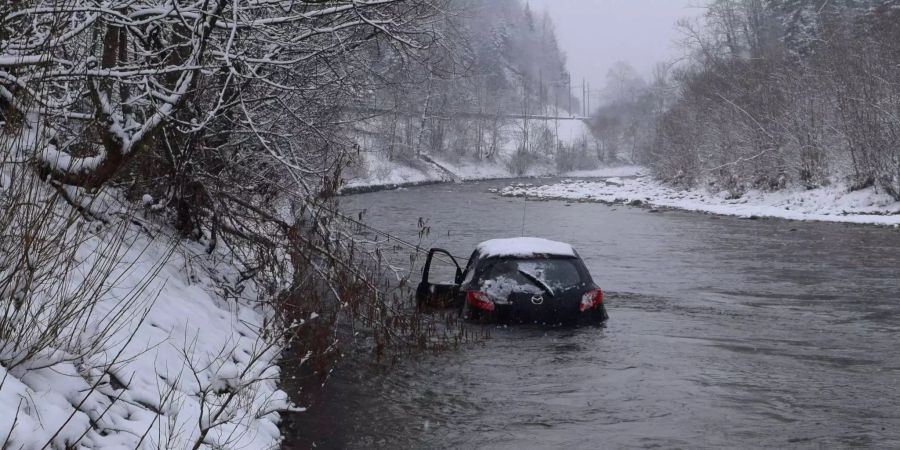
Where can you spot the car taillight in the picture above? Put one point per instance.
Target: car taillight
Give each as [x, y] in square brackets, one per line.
[479, 300]
[590, 299]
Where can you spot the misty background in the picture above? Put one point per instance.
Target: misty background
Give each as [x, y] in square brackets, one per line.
[595, 34]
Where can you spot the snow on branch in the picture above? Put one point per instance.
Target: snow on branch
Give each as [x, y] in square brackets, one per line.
[128, 68]
[22, 60]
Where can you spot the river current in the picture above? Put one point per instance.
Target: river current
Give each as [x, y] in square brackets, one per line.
[723, 332]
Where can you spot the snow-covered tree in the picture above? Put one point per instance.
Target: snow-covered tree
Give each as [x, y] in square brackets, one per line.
[782, 91]
[201, 102]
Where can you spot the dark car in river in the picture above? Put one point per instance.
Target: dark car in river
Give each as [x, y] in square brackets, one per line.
[517, 280]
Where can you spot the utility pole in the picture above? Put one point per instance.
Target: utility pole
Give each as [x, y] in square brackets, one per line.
[525, 113]
[583, 97]
[541, 99]
[556, 100]
[588, 100]
[556, 113]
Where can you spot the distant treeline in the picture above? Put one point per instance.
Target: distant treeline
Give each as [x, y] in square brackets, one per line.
[785, 92]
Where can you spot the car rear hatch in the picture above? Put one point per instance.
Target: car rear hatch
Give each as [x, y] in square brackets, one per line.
[524, 307]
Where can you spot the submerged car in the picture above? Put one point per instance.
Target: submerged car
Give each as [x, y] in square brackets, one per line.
[517, 280]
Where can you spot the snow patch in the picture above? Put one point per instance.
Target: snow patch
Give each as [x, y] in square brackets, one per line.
[63, 162]
[833, 203]
[500, 288]
[621, 171]
[524, 247]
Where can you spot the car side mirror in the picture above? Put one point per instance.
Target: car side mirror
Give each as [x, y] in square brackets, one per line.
[459, 276]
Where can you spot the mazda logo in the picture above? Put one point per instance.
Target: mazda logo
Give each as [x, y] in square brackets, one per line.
[537, 299]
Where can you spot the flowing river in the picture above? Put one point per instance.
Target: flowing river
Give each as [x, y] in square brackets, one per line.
[723, 332]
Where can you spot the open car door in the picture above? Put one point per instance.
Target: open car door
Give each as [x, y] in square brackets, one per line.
[440, 281]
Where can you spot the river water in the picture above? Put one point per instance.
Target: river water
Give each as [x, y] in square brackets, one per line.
[724, 332]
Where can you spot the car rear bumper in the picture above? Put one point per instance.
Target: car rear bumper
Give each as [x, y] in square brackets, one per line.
[544, 315]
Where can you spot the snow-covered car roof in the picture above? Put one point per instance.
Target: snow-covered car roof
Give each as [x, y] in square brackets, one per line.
[524, 247]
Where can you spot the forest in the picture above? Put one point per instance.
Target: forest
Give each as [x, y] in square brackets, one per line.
[775, 93]
[466, 101]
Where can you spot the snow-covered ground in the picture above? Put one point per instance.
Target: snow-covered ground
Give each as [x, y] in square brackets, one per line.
[834, 203]
[116, 335]
[382, 172]
[604, 172]
[183, 352]
[377, 170]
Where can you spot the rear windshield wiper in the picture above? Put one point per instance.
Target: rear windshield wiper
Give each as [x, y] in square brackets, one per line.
[537, 281]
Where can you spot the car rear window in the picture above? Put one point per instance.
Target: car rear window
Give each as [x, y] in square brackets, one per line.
[526, 274]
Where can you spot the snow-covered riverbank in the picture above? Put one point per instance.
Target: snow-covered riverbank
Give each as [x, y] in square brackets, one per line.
[386, 174]
[374, 169]
[399, 175]
[381, 172]
[166, 348]
[832, 204]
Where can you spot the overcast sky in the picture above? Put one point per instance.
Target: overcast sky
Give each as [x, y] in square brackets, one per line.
[597, 33]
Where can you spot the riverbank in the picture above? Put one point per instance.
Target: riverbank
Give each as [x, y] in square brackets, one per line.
[381, 168]
[130, 337]
[834, 203]
[387, 175]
